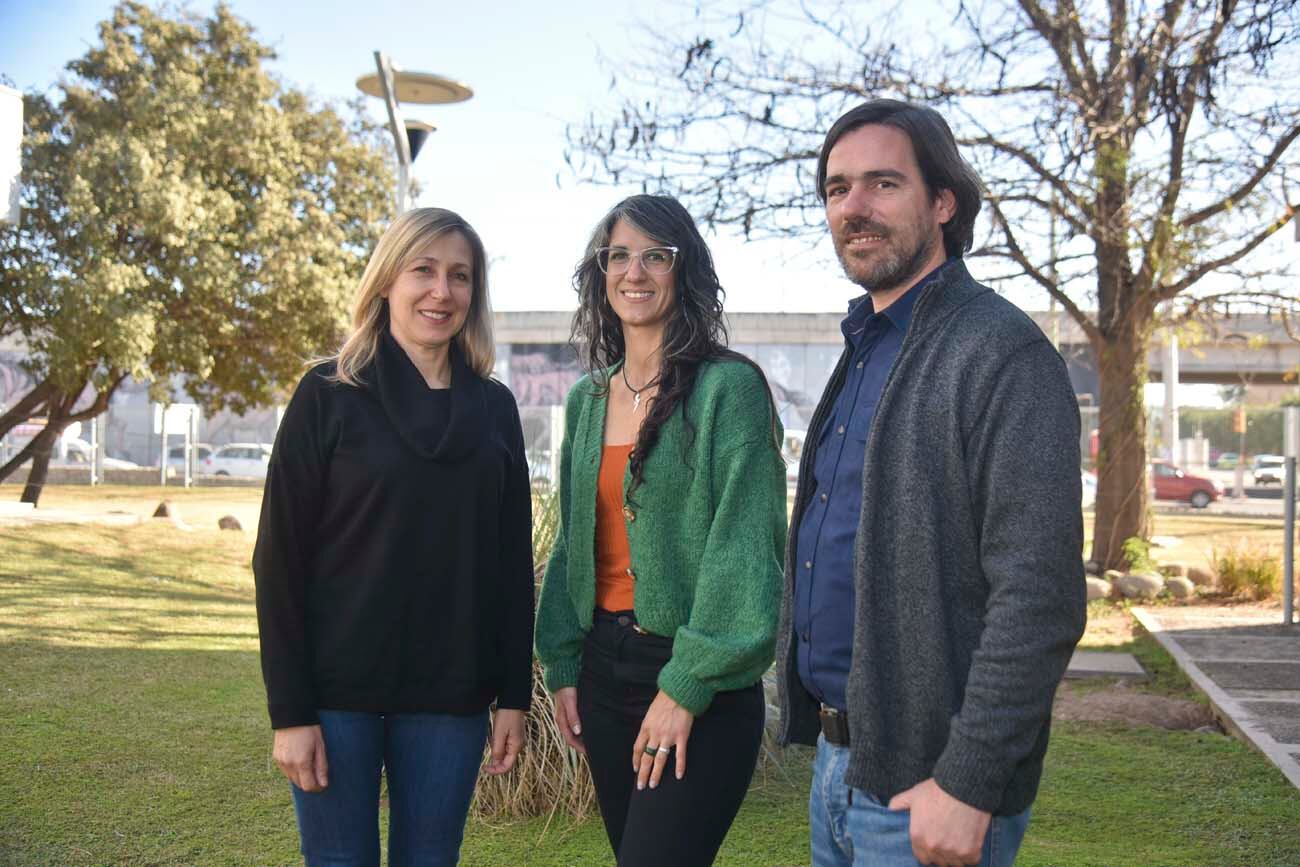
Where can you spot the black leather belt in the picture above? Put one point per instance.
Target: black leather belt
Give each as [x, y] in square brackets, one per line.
[835, 726]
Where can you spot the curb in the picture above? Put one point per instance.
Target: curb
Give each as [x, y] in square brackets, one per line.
[1234, 718]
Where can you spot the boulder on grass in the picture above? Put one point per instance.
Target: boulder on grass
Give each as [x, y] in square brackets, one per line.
[1180, 587]
[1098, 588]
[1169, 570]
[1112, 575]
[1140, 585]
[1200, 577]
[167, 511]
[229, 522]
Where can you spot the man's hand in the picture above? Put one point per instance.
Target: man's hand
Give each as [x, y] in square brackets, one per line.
[945, 832]
[507, 740]
[300, 753]
[566, 717]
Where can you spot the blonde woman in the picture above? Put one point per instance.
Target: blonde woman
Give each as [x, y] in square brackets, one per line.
[393, 560]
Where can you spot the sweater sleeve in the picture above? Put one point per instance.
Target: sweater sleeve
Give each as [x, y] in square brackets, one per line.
[517, 564]
[730, 637]
[1023, 454]
[282, 557]
[559, 634]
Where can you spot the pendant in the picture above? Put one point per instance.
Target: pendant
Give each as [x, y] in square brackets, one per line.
[636, 401]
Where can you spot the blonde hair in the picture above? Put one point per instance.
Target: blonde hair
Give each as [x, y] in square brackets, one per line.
[408, 234]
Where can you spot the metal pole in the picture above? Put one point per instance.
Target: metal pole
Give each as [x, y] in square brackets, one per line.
[1170, 376]
[191, 434]
[162, 435]
[396, 126]
[96, 454]
[1241, 452]
[1291, 448]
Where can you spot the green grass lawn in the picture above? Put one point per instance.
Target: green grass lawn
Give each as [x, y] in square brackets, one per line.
[133, 731]
[1193, 538]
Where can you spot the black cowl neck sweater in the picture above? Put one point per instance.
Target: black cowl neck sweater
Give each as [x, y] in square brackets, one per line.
[394, 559]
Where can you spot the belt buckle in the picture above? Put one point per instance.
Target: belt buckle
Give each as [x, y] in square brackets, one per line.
[835, 726]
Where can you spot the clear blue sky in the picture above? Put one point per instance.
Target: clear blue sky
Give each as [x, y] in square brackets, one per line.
[497, 159]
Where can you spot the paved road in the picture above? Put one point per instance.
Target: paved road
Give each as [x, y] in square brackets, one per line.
[1228, 507]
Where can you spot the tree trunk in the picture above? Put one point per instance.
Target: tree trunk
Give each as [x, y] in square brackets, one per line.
[1122, 471]
[42, 446]
[59, 414]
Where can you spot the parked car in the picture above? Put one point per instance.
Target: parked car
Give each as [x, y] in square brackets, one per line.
[238, 459]
[1171, 483]
[81, 453]
[1268, 469]
[1226, 461]
[176, 455]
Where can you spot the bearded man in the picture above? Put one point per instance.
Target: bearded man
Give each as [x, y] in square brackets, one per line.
[934, 575]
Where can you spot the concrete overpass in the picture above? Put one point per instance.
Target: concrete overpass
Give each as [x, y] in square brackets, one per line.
[797, 349]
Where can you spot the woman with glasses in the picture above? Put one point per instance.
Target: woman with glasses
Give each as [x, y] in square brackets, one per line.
[394, 562]
[657, 616]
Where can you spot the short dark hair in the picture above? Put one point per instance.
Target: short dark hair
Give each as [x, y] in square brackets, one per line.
[942, 167]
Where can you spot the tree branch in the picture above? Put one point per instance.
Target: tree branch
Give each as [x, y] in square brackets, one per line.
[1200, 271]
[1016, 254]
[26, 406]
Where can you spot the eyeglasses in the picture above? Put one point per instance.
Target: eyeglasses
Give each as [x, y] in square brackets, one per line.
[654, 260]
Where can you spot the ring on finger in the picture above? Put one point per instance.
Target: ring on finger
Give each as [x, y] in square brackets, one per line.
[664, 750]
[650, 751]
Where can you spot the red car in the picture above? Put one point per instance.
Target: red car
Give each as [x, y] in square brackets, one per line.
[1171, 483]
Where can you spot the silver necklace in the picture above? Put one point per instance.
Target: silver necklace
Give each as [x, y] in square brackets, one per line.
[636, 392]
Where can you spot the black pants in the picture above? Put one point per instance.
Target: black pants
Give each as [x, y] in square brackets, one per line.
[680, 823]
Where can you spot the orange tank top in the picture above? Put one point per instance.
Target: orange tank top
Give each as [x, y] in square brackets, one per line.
[614, 580]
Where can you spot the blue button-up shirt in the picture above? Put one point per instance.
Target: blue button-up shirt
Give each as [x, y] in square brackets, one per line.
[823, 584]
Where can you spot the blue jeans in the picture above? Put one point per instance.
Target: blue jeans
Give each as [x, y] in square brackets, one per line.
[432, 763]
[860, 831]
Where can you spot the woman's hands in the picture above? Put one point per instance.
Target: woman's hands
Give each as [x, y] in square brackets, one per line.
[300, 753]
[566, 717]
[507, 740]
[666, 727]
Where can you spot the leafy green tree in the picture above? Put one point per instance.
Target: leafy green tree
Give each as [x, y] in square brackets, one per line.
[1132, 151]
[185, 214]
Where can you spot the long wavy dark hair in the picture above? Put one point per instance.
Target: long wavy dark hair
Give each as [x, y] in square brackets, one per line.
[695, 331]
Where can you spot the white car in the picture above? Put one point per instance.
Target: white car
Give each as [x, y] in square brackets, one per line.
[81, 453]
[176, 455]
[238, 459]
[1269, 469]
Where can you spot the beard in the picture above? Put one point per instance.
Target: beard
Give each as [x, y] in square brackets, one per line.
[898, 259]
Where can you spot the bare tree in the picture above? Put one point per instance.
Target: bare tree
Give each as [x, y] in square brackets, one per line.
[1135, 154]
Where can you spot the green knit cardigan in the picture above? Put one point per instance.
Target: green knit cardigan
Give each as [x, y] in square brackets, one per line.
[706, 528]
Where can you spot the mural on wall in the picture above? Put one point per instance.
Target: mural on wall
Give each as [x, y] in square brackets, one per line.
[14, 381]
[541, 374]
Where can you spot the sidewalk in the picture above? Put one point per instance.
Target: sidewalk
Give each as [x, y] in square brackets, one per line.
[24, 514]
[1248, 664]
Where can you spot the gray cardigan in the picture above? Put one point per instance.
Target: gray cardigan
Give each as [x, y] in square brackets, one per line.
[968, 566]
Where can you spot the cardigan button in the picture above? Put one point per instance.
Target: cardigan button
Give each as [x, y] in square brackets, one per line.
[630, 573]
[629, 514]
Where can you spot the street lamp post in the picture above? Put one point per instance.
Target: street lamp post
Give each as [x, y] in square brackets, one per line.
[395, 86]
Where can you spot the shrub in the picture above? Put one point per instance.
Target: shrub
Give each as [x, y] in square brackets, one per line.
[1246, 569]
[548, 775]
[1137, 551]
